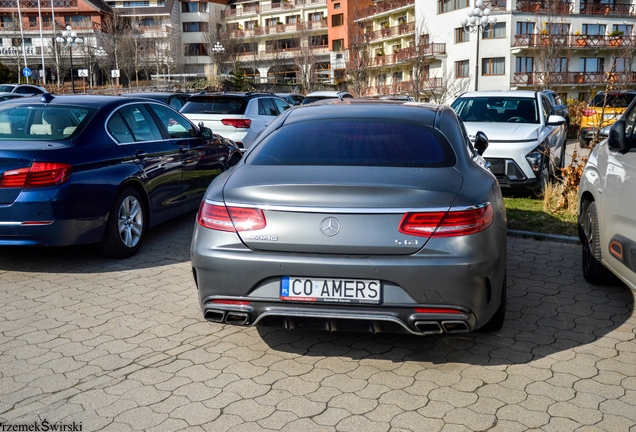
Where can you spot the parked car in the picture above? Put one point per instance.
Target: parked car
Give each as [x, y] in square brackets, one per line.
[560, 108]
[10, 96]
[291, 98]
[24, 89]
[175, 100]
[237, 116]
[398, 98]
[321, 95]
[100, 169]
[527, 139]
[615, 105]
[607, 210]
[284, 238]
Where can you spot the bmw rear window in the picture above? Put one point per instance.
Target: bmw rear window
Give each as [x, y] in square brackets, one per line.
[42, 122]
[616, 100]
[355, 142]
[214, 105]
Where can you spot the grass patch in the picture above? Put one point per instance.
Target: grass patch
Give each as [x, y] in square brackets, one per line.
[528, 214]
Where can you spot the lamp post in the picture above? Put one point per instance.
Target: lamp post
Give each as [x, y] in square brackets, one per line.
[218, 49]
[70, 40]
[100, 54]
[478, 20]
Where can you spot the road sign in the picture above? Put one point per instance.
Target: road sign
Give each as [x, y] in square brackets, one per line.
[114, 73]
[82, 73]
[26, 72]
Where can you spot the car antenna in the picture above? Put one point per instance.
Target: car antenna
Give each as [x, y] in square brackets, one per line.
[46, 97]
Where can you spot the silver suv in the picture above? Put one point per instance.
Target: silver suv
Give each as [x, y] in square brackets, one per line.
[607, 210]
[321, 95]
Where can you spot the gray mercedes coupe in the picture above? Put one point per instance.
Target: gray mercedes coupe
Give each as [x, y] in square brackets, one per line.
[356, 215]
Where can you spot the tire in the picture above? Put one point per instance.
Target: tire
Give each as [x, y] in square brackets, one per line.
[593, 270]
[546, 172]
[498, 319]
[126, 226]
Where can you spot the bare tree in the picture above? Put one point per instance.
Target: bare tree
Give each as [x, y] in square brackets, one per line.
[117, 29]
[359, 57]
[306, 58]
[552, 41]
[221, 33]
[443, 89]
[419, 58]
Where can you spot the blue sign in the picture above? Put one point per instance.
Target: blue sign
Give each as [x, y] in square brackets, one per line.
[26, 72]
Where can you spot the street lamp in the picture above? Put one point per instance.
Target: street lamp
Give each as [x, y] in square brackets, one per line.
[478, 20]
[99, 54]
[70, 40]
[218, 49]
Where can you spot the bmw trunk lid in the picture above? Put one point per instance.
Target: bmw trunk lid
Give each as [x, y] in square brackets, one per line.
[11, 159]
[347, 210]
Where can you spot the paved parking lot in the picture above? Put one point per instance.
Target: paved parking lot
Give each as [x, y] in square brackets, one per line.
[121, 345]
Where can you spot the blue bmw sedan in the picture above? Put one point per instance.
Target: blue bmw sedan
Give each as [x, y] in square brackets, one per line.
[100, 169]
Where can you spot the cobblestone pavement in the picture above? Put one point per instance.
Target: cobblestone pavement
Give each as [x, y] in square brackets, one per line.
[121, 345]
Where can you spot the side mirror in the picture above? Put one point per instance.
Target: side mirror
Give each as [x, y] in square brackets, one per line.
[556, 120]
[481, 143]
[617, 140]
[206, 132]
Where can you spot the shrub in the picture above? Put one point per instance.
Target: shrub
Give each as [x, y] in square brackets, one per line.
[576, 108]
[562, 196]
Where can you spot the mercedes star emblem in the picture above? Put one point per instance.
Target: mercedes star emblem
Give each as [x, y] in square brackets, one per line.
[330, 226]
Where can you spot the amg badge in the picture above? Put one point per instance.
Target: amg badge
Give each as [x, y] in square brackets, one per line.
[262, 237]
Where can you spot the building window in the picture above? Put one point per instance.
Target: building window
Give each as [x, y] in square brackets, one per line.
[270, 22]
[17, 42]
[525, 28]
[397, 77]
[444, 6]
[402, 19]
[195, 27]
[621, 64]
[249, 25]
[336, 6]
[593, 29]
[625, 28]
[592, 64]
[558, 28]
[292, 19]
[461, 69]
[195, 49]
[338, 45]
[194, 7]
[250, 47]
[380, 79]
[78, 20]
[461, 35]
[337, 20]
[524, 64]
[498, 31]
[316, 16]
[130, 4]
[493, 66]
[557, 65]
[319, 41]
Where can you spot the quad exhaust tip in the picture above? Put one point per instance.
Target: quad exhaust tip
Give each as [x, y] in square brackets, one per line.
[455, 326]
[429, 327]
[435, 327]
[219, 316]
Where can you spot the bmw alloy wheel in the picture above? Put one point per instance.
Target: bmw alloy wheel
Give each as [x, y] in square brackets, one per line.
[130, 221]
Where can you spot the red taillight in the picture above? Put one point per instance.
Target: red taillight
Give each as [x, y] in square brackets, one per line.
[39, 174]
[587, 112]
[453, 223]
[438, 311]
[231, 302]
[222, 218]
[237, 123]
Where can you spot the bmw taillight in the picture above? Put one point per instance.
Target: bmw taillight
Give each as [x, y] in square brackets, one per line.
[237, 123]
[40, 174]
[588, 112]
[447, 224]
[233, 219]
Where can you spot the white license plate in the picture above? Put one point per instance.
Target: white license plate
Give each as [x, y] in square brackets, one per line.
[330, 290]
[611, 116]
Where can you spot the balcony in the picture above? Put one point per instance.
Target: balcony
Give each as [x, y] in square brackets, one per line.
[583, 78]
[406, 54]
[383, 7]
[545, 6]
[280, 28]
[606, 9]
[33, 4]
[496, 5]
[398, 30]
[290, 4]
[407, 86]
[48, 26]
[574, 41]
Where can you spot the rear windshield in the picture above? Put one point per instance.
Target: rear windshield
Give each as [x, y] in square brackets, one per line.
[214, 105]
[355, 142]
[42, 122]
[497, 109]
[6, 88]
[617, 100]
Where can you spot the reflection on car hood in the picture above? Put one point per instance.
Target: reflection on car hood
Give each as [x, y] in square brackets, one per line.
[504, 132]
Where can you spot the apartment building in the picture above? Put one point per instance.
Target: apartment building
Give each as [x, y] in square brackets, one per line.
[571, 46]
[28, 29]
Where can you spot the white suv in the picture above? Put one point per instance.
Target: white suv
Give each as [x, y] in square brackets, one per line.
[607, 209]
[237, 116]
[526, 138]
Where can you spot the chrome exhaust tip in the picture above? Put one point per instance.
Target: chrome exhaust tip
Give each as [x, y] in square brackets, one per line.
[428, 327]
[237, 318]
[214, 315]
[455, 326]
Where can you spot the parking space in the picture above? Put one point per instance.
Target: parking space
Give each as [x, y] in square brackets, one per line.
[121, 345]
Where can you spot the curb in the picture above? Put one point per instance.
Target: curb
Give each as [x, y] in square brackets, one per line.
[541, 236]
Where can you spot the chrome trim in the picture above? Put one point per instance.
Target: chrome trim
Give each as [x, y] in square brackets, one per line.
[10, 223]
[333, 210]
[356, 317]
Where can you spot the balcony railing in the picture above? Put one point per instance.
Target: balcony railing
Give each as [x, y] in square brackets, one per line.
[574, 41]
[407, 86]
[255, 9]
[606, 9]
[281, 28]
[495, 5]
[390, 31]
[33, 4]
[383, 7]
[545, 6]
[556, 78]
[48, 26]
[406, 54]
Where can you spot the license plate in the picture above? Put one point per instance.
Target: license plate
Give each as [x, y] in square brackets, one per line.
[330, 290]
[611, 116]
